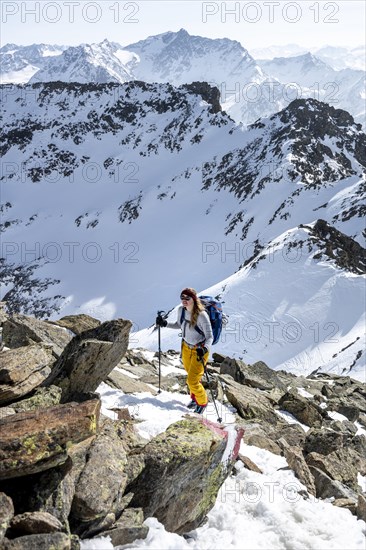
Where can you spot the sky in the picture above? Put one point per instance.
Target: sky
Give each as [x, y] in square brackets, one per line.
[252, 510]
[255, 24]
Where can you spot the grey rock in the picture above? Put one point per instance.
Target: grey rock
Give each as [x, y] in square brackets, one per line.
[89, 358]
[3, 314]
[218, 357]
[21, 330]
[128, 528]
[257, 376]
[101, 485]
[249, 464]
[127, 384]
[33, 523]
[295, 460]
[249, 402]
[345, 427]
[22, 370]
[294, 434]
[52, 541]
[326, 487]
[183, 473]
[339, 465]
[53, 490]
[42, 398]
[358, 443]
[77, 323]
[264, 442]
[6, 514]
[34, 441]
[323, 441]
[304, 410]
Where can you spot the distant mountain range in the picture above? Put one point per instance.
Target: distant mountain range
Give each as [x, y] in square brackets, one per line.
[249, 89]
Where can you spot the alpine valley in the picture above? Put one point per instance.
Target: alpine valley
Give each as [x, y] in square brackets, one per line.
[126, 191]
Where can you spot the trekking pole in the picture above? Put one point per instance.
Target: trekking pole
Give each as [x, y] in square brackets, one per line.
[159, 347]
[219, 419]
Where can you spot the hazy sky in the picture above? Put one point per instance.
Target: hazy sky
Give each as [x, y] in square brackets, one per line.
[255, 24]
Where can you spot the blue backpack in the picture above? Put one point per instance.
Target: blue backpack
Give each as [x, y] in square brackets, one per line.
[214, 311]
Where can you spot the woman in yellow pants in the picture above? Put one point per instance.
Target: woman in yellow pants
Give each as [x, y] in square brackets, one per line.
[196, 341]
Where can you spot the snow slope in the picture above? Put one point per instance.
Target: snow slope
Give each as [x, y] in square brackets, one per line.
[252, 510]
[288, 308]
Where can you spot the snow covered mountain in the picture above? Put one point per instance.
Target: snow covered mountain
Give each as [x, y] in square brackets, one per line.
[249, 89]
[178, 58]
[309, 76]
[20, 63]
[131, 192]
[343, 58]
[270, 52]
[335, 56]
[104, 62]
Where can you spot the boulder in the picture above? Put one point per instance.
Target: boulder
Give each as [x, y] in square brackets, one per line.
[358, 443]
[249, 464]
[6, 514]
[338, 465]
[128, 384]
[263, 442]
[42, 398]
[21, 330]
[49, 541]
[294, 434]
[50, 491]
[34, 441]
[33, 523]
[77, 323]
[323, 441]
[257, 376]
[326, 487]
[89, 358]
[23, 369]
[304, 410]
[345, 427]
[128, 528]
[350, 406]
[295, 460]
[185, 468]
[249, 402]
[102, 483]
[218, 357]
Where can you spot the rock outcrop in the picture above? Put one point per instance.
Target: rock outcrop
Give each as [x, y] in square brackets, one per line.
[22, 330]
[88, 359]
[184, 469]
[67, 472]
[22, 370]
[34, 441]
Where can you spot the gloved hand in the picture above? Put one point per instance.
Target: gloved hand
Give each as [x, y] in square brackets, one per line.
[201, 351]
[160, 322]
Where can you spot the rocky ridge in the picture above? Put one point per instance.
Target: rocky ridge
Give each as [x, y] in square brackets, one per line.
[67, 471]
[55, 451]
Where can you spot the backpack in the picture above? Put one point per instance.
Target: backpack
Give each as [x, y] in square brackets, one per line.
[217, 318]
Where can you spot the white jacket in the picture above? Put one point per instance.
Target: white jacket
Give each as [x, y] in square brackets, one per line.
[190, 334]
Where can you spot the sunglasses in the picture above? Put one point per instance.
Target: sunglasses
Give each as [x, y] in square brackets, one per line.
[186, 298]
